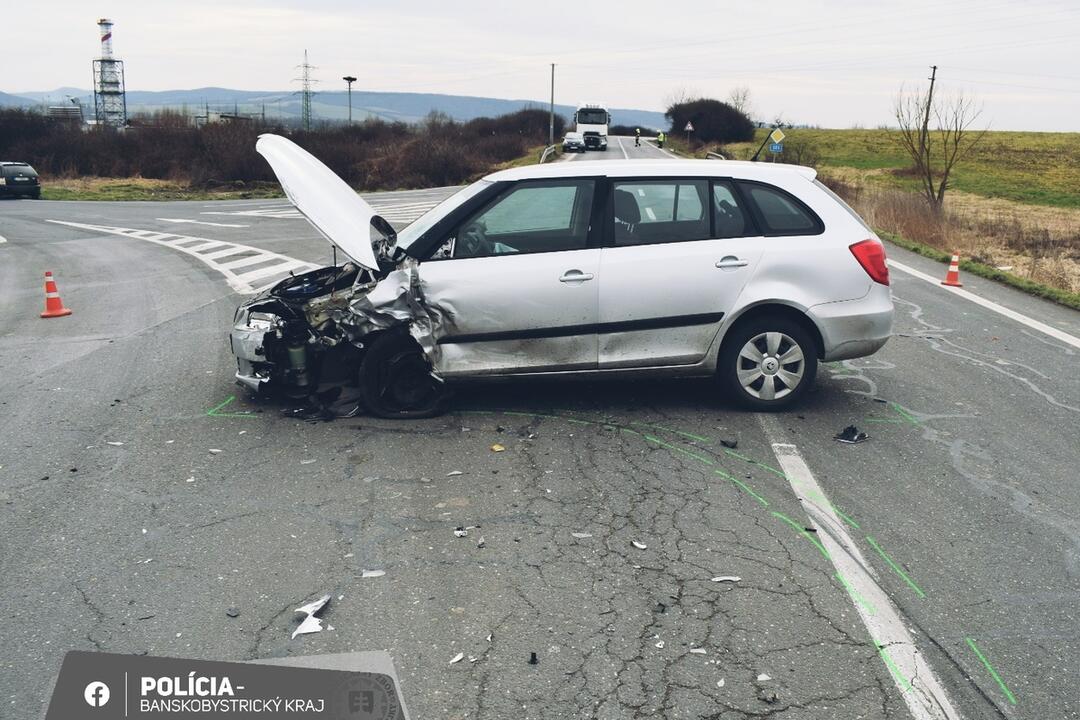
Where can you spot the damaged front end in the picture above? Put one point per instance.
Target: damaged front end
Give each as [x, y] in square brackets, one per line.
[342, 334]
[362, 326]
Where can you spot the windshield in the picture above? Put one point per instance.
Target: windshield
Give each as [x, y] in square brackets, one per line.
[592, 117]
[426, 221]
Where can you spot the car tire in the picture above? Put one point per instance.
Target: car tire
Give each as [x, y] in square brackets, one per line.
[396, 380]
[767, 363]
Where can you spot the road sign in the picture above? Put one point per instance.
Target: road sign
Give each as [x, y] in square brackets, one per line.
[776, 148]
[689, 126]
[777, 136]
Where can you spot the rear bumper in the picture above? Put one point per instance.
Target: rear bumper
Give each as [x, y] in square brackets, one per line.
[20, 189]
[855, 328]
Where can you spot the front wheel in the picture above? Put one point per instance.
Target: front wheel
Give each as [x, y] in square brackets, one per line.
[767, 363]
[396, 379]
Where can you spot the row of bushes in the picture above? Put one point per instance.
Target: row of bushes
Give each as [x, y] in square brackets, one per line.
[371, 155]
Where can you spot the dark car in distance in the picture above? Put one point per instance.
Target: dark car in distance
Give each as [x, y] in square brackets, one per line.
[18, 178]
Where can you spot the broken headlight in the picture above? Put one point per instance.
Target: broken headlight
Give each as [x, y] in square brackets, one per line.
[261, 321]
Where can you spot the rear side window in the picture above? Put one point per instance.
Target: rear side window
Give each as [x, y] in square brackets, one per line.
[648, 212]
[780, 212]
[729, 217]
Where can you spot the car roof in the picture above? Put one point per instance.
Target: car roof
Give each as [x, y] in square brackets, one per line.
[674, 167]
[9, 162]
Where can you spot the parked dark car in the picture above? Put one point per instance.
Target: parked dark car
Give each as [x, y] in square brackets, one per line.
[18, 178]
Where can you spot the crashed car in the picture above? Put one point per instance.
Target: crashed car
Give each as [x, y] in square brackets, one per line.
[749, 273]
[573, 142]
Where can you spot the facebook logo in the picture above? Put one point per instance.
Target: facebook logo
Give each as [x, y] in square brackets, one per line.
[96, 694]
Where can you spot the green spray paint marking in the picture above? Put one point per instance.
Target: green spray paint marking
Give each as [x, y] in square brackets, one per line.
[904, 414]
[675, 432]
[891, 421]
[904, 682]
[802, 531]
[894, 566]
[855, 594]
[744, 486]
[993, 673]
[676, 448]
[215, 412]
[752, 461]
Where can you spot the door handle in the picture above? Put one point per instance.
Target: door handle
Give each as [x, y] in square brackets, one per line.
[573, 276]
[732, 262]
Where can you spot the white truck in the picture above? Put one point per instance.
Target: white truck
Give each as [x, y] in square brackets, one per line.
[592, 122]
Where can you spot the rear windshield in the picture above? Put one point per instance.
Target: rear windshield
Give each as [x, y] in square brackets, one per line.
[13, 170]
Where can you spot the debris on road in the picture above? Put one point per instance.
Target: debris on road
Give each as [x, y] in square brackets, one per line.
[190, 479]
[454, 473]
[457, 658]
[114, 443]
[233, 612]
[581, 536]
[720, 683]
[310, 623]
[851, 435]
[763, 678]
[639, 545]
[497, 448]
[215, 451]
[307, 462]
[533, 660]
[729, 442]
[699, 651]
[727, 578]
[372, 573]
[460, 532]
[481, 542]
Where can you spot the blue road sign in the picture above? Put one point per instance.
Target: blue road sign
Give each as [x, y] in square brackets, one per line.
[776, 147]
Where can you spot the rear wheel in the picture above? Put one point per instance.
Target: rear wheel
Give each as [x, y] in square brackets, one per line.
[396, 379]
[768, 363]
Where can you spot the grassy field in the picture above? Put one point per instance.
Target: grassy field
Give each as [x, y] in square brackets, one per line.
[97, 188]
[1026, 167]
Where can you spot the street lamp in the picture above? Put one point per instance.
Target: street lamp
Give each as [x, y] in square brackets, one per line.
[349, 79]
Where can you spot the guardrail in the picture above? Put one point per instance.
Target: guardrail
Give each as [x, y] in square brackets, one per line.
[714, 156]
[548, 152]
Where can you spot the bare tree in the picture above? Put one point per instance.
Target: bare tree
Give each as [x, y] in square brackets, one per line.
[681, 95]
[739, 98]
[935, 151]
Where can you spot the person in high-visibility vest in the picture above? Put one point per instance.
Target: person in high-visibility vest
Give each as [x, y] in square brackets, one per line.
[637, 137]
[660, 138]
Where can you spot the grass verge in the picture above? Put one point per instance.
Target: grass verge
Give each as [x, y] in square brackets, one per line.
[117, 189]
[1062, 297]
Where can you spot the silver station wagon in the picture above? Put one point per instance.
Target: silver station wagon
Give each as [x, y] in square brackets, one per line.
[751, 273]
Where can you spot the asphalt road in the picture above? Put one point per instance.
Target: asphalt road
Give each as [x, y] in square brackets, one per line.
[141, 495]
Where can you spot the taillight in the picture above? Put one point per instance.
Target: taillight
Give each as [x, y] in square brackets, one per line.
[871, 255]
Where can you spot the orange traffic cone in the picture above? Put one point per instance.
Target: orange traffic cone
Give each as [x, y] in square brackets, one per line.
[54, 306]
[952, 277]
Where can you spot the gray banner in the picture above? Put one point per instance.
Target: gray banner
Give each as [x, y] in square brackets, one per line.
[351, 686]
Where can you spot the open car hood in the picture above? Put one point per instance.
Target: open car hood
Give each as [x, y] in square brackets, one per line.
[326, 200]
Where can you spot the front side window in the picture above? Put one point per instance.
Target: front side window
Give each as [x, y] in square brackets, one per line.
[531, 217]
[780, 212]
[660, 211]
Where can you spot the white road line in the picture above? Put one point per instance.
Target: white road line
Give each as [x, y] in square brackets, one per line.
[625, 156]
[669, 154]
[650, 213]
[201, 222]
[183, 243]
[918, 685]
[990, 305]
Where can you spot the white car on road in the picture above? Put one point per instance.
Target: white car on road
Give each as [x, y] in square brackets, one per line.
[750, 273]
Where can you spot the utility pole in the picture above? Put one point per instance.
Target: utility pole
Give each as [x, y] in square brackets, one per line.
[551, 113]
[925, 130]
[349, 80]
[306, 81]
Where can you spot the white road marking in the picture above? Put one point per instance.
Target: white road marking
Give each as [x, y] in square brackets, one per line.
[279, 265]
[201, 222]
[402, 211]
[990, 305]
[625, 156]
[919, 686]
[669, 154]
[2, 239]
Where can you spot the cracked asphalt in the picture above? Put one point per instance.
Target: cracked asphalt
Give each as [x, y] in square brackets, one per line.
[138, 503]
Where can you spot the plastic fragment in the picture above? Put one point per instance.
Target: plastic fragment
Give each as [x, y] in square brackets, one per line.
[699, 651]
[233, 612]
[372, 573]
[214, 451]
[114, 443]
[533, 660]
[454, 473]
[581, 536]
[639, 545]
[190, 479]
[460, 532]
[720, 683]
[727, 578]
[481, 542]
[457, 658]
[851, 435]
[729, 442]
[763, 678]
[660, 644]
[497, 448]
[307, 462]
[311, 624]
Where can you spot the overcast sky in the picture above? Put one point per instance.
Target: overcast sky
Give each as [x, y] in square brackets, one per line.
[834, 63]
